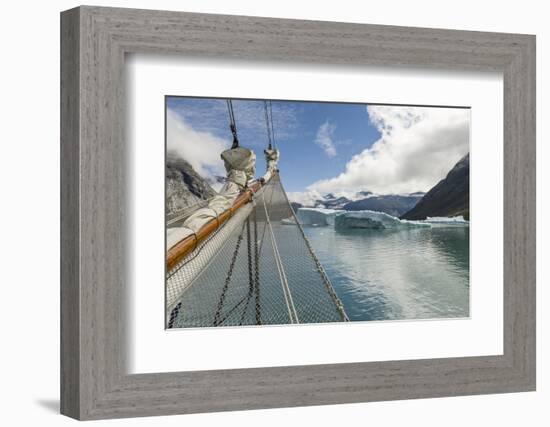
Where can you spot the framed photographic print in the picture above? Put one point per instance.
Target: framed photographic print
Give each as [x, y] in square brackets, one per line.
[261, 213]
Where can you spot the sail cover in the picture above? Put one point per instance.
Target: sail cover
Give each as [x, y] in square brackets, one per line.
[240, 167]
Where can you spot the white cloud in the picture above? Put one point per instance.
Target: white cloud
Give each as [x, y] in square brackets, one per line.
[305, 198]
[324, 138]
[309, 197]
[417, 147]
[201, 149]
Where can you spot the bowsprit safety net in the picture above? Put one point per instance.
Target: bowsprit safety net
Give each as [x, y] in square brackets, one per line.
[257, 269]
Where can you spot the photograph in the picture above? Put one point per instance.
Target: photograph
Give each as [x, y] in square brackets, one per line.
[286, 212]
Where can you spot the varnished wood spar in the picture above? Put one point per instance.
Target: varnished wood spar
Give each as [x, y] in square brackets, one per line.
[187, 245]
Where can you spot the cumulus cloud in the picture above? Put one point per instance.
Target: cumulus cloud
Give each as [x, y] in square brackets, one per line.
[200, 148]
[305, 198]
[324, 138]
[417, 147]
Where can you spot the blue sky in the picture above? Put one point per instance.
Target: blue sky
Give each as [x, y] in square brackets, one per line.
[326, 147]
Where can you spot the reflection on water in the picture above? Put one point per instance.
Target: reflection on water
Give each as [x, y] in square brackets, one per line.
[416, 273]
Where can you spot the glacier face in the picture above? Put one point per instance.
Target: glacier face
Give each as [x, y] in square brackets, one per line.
[373, 220]
[446, 220]
[316, 216]
[367, 219]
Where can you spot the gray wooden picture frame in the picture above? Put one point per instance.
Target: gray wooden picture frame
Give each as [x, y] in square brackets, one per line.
[94, 41]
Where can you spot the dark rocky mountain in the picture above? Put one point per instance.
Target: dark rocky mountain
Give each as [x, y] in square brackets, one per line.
[392, 204]
[450, 197]
[184, 186]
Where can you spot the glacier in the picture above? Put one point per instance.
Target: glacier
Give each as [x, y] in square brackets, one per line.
[367, 219]
[317, 216]
[373, 220]
[447, 221]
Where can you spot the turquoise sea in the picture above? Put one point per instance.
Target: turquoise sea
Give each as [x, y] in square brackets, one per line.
[414, 273]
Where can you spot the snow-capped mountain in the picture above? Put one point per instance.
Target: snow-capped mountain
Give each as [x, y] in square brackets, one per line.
[330, 201]
[392, 204]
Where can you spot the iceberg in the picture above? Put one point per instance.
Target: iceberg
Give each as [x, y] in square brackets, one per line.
[367, 219]
[341, 219]
[442, 221]
[458, 218]
[373, 220]
[316, 216]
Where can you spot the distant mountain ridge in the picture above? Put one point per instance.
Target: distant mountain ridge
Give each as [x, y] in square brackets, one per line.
[392, 204]
[330, 201]
[449, 197]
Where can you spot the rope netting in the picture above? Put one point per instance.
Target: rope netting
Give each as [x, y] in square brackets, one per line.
[259, 268]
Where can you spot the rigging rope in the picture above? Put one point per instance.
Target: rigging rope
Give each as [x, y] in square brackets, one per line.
[217, 320]
[251, 283]
[257, 270]
[284, 281]
[232, 124]
[268, 126]
[320, 269]
[253, 277]
[272, 129]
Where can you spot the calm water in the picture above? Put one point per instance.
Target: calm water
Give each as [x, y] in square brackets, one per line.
[416, 273]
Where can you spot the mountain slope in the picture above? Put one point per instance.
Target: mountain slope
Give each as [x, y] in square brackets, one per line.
[450, 197]
[330, 201]
[392, 204]
[184, 186]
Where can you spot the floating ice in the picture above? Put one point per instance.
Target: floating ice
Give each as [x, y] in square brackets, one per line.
[316, 216]
[353, 219]
[341, 219]
[373, 220]
[441, 221]
[453, 220]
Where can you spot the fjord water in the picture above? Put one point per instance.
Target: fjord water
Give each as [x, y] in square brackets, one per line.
[415, 273]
